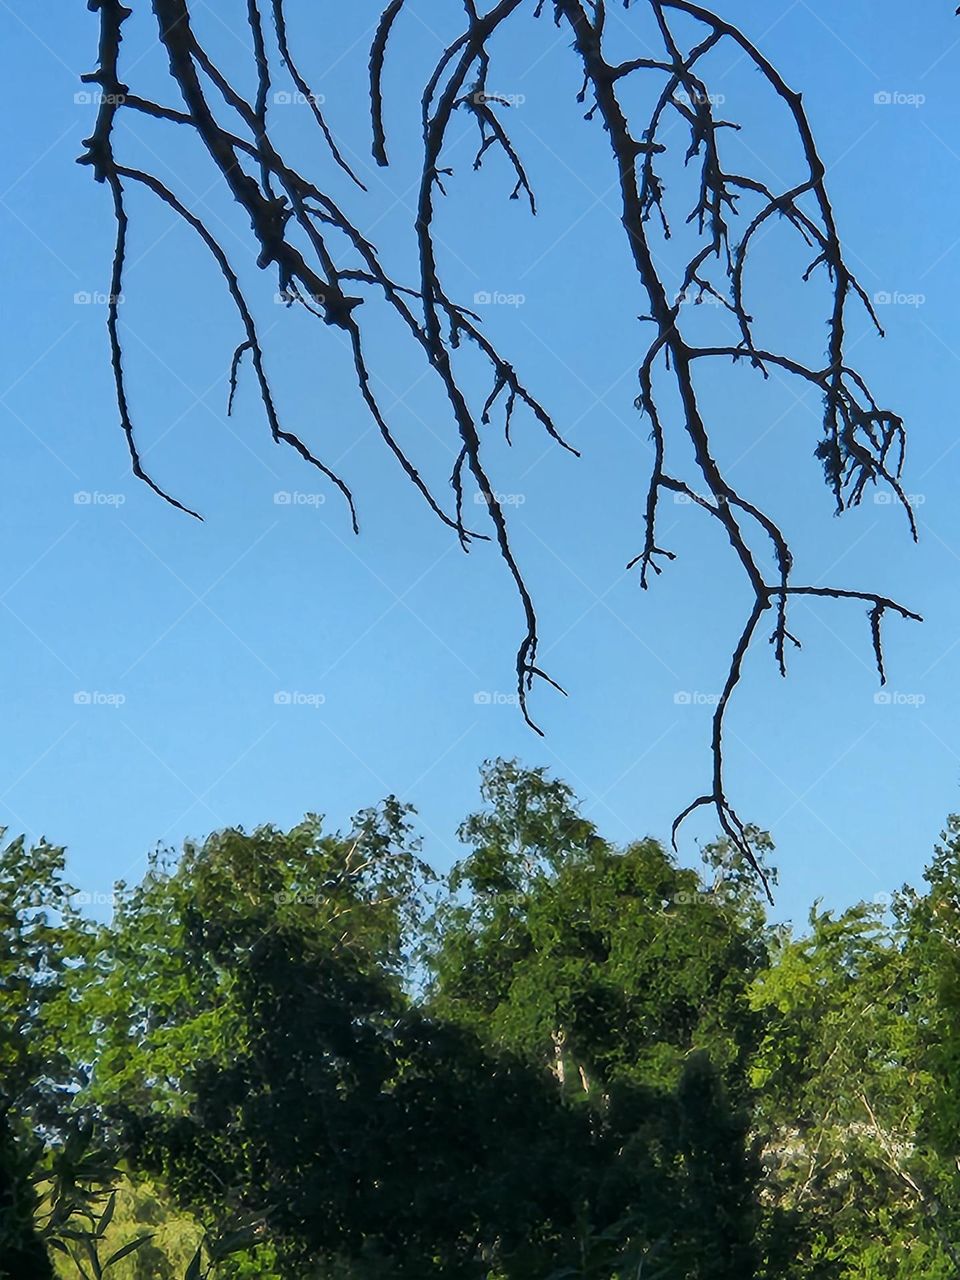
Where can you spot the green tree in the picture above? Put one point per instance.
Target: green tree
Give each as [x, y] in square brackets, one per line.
[290, 1054]
[628, 977]
[931, 929]
[42, 938]
[844, 1082]
[605, 963]
[252, 1038]
[259, 1035]
[225, 973]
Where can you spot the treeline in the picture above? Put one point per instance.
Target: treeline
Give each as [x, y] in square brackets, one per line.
[302, 1054]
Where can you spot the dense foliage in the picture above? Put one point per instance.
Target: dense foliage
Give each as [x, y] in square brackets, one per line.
[302, 1054]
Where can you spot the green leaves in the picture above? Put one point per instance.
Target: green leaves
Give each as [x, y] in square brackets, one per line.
[193, 1271]
[42, 939]
[107, 1215]
[572, 1060]
[127, 1249]
[585, 957]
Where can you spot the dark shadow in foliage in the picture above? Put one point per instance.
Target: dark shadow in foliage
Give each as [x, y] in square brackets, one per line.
[22, 1255]
[357, 1127]
[354, 1123]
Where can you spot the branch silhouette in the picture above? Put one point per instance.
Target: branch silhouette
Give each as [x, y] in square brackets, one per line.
[297, 230]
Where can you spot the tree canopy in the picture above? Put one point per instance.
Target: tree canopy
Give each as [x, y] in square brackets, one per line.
[302, 1053]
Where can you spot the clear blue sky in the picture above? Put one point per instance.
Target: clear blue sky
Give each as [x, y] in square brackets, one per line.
[198, 627]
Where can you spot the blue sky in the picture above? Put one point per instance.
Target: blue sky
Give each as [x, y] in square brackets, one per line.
[178, 637]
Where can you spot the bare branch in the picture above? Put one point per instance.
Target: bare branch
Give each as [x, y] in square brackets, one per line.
[324, 263]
